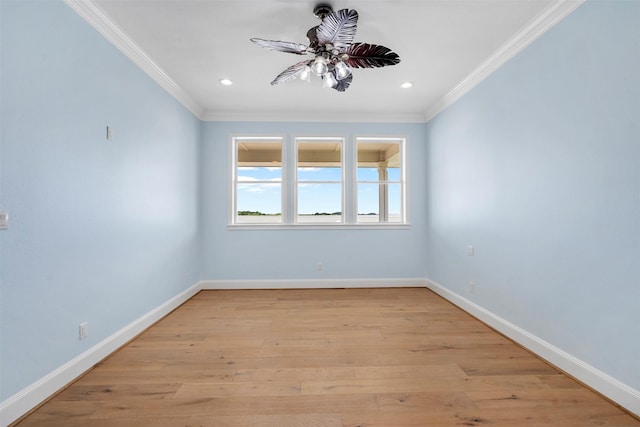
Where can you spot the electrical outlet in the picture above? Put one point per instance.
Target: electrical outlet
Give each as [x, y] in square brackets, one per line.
[472, 287]
[4, 220]
[470, 251]
[83, 330]
[319, 266]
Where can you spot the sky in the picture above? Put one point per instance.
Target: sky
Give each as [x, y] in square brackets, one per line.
[319, 190]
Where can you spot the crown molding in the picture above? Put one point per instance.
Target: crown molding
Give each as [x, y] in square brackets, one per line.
[327, 116]
[101, 22]
[549, 17]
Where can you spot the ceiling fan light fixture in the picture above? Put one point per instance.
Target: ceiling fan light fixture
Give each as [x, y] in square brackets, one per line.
[305, 74]
[342, 70]
[320, 66]
[329, 80]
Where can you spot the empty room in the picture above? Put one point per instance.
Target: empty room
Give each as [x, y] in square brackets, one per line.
[299, 213]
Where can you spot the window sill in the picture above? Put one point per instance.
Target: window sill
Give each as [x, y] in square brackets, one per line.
[384, 226]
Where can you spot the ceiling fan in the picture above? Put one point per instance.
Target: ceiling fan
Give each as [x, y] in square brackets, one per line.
[335, 53]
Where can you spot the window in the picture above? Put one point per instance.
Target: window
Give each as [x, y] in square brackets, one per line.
[318, 181]
[380, 180]
[258, 180]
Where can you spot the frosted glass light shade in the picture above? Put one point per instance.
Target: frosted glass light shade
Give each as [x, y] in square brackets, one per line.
[328, 80]
[320, 66]
[305, 74]
[342, 70]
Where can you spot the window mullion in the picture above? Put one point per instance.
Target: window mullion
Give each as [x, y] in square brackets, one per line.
[290, 198]
[234, 183]
[349, 191]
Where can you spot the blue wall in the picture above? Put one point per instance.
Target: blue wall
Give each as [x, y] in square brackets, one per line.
[100, 231]
[294, 254]
[539, 168]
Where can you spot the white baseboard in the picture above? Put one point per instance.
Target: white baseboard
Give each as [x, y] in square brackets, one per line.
[30, 397]
[313, 283]
[622, 394]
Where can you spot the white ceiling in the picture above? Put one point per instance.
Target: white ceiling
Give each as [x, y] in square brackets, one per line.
[445, 47]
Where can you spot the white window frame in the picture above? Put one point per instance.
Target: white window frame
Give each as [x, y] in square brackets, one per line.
[402, 141]
[289, 185]
[296, 140]
[235, 140]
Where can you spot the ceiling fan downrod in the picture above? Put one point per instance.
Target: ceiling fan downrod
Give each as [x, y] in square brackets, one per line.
[322, 9]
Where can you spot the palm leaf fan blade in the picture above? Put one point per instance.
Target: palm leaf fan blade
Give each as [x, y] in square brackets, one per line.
[365, 55]
[338, 28]
[288, 47]
[290, 72]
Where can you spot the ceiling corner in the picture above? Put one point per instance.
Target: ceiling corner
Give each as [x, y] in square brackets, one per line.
[101, 22]
[549, 17]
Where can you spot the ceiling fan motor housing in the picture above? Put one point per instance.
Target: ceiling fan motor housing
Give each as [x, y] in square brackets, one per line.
[322, 9]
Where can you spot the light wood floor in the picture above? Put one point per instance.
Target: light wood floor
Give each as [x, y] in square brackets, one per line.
[302, 358]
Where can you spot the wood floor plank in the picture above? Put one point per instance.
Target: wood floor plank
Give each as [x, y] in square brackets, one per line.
[300, 374]
[324, 358]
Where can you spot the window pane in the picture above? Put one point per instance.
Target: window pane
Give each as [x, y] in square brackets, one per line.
[370, 208]
[379, 178]
[246, 173]
[393, 174]
[319, 160]
[394, 202]
[258, 177]
[367, 174]
[368, 203]
[258, 203]
[259, 152]
[373, 174]
[378, 155]
[319, 203]
[319, 174]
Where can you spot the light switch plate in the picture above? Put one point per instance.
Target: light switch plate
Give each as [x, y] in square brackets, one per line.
[83, 330]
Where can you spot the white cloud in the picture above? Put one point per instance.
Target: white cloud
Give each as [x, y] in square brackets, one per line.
[255, 189]
[248, 184]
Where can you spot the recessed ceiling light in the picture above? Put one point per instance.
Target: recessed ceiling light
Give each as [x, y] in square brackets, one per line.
[406, 85]
[226, 82]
